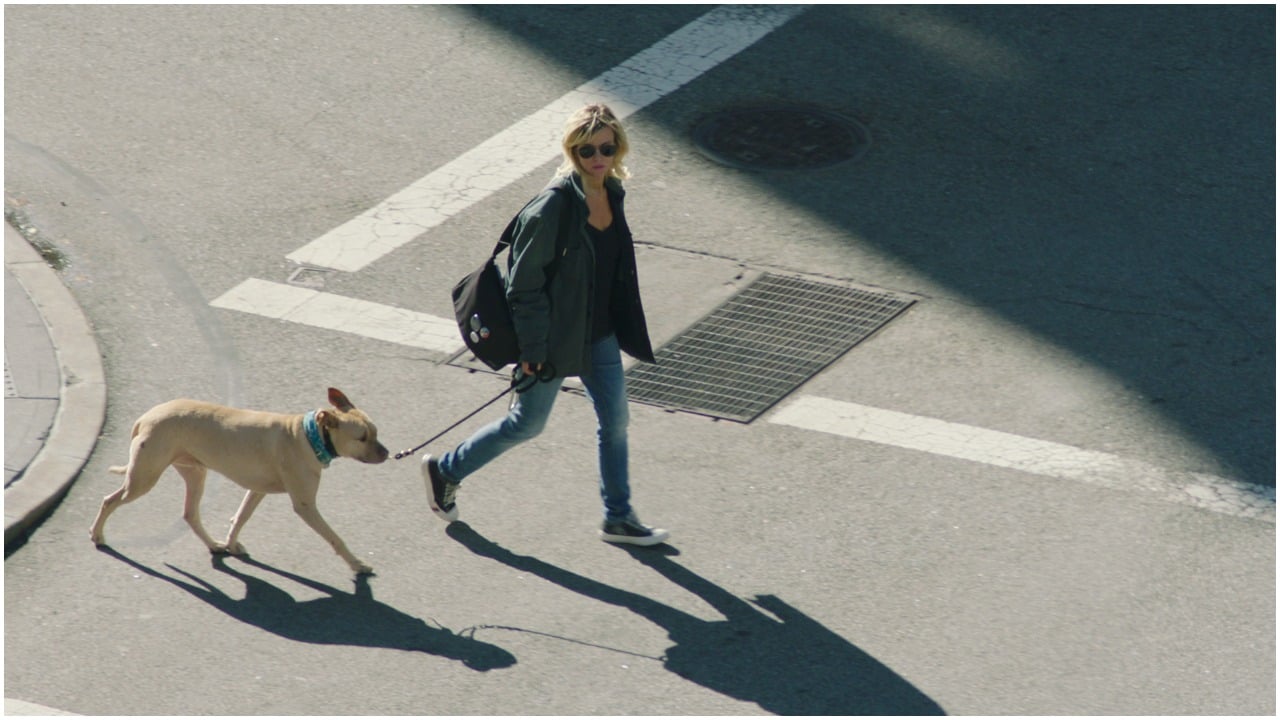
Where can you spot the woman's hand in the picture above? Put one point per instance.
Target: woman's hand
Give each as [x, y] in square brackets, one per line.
[530, 369]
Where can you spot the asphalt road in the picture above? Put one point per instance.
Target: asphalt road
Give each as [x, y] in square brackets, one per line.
[1082, 199]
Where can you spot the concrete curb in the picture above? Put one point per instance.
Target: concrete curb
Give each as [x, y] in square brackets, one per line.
[82, 397]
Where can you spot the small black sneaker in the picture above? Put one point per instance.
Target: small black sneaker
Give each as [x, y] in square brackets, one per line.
[440, 492]
[632, 532]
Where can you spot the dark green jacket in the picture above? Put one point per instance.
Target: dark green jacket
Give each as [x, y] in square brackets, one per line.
[550, 281]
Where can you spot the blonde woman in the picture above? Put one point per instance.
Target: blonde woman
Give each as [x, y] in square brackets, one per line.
[575, 300]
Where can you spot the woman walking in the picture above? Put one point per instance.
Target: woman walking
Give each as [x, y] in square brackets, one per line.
[575, 300]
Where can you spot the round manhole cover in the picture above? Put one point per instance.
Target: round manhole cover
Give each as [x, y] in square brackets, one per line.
[780, 137]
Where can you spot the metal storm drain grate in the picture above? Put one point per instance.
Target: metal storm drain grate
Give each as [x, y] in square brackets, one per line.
[309, 277]
[761, 345]
[780, 137]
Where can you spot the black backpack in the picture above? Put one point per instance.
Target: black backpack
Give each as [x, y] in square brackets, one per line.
[481, 310]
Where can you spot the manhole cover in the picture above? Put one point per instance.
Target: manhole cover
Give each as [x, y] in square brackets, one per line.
[761, 345]
[780, 137]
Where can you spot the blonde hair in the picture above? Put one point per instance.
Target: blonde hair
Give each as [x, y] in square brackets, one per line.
[579, 128]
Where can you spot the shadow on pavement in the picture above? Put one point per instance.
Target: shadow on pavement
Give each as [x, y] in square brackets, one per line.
[340, 618]
[1101, 176]
[765, 652]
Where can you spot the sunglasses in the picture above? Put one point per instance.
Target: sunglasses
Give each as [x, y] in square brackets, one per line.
[589, 151]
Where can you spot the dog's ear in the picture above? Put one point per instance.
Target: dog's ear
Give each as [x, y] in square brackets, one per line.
[326, 419]
[340, 401]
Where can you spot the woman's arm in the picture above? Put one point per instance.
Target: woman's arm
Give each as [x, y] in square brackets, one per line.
[533, 250]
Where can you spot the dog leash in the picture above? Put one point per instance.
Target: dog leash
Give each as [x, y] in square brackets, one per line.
[519, 383]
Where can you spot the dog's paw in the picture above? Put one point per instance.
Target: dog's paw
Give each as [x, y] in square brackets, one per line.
[223, 549]
[362, 568]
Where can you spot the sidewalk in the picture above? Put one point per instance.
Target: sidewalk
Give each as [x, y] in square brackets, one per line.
[54, 391]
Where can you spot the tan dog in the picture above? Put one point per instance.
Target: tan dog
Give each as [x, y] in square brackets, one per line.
[262, 452]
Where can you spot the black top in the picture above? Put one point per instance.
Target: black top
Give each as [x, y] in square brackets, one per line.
[608, 247]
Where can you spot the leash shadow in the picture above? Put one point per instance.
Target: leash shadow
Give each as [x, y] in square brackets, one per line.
[764, 651]
[338, 618]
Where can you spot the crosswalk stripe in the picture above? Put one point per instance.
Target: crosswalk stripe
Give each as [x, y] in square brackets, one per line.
[515, 152]
[336, 312]
[1029, 455]
[22, 707]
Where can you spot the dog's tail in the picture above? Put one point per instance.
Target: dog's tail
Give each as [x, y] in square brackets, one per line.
[122, 469]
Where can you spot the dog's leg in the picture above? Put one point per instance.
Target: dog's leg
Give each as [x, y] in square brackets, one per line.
[140, 475]
[310, 514]
[109, 505]
[247, 506]
[194, 474]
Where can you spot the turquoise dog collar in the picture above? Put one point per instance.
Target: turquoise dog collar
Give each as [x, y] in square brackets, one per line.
[319, 444]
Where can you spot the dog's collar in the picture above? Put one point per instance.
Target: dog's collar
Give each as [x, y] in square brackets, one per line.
[320, 443]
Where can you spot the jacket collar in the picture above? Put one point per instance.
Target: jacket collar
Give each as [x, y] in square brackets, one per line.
[573, 182]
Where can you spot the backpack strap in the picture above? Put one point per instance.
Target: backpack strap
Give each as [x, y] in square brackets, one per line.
[508, 235]
[506, 238]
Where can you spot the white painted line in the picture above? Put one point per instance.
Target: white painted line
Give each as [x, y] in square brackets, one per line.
[22, 707]
[335, 312]
[515, 152]
[1027, 455]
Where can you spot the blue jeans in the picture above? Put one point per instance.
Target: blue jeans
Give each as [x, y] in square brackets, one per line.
[606, 388]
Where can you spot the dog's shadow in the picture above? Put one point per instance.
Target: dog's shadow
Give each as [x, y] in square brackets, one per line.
[338, 618]
[764, 651]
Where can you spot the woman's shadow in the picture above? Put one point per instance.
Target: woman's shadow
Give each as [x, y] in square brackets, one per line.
[768, 652]
[338, 618]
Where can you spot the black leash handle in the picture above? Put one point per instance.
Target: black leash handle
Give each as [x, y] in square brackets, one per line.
[519, 383]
